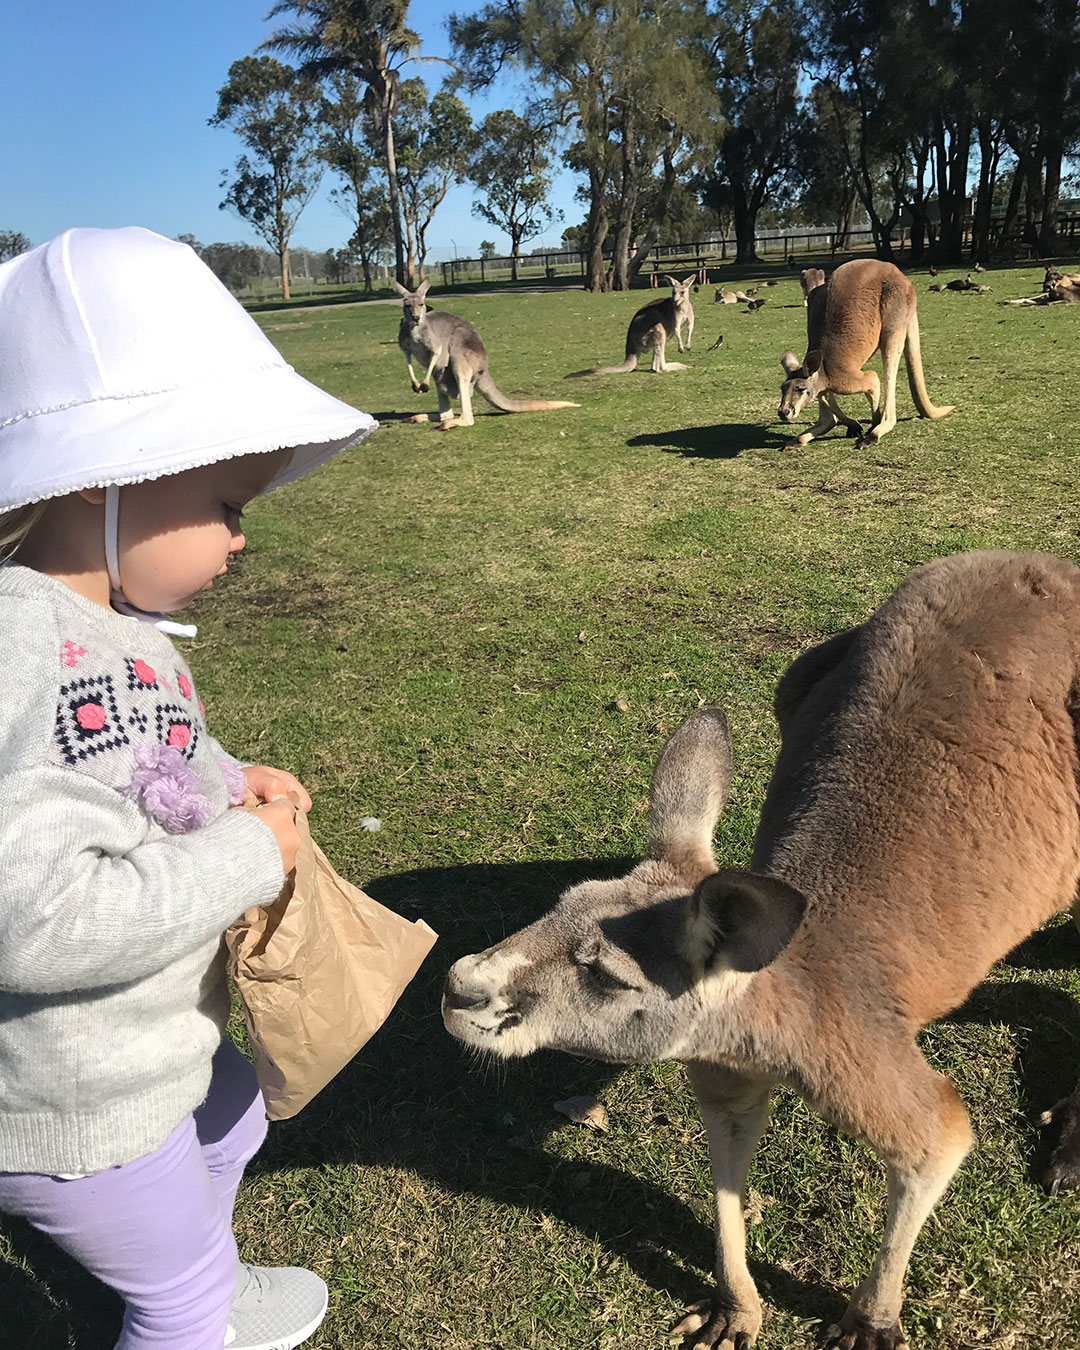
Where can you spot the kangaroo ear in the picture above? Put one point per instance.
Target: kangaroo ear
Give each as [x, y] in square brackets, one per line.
[671, 281]
[690, 784]
[743, 920]
[790, 362]
[424, 286]
[397, 286]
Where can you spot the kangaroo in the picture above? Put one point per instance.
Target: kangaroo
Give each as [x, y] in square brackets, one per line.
[455, 355]
[829, 412]
[653, 326]
[923, 817]
[1065, 290]
[811, 278]
[869, 306]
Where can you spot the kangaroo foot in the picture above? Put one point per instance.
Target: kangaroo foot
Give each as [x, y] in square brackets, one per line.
[854, 429]
[1064, 1169]
[855, 1333]
[867, 440]
[420, 417]
[796, 444]
[448, 422]
[711, 1324]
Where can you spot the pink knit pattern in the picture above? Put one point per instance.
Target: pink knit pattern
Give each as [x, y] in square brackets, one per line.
[167, 789]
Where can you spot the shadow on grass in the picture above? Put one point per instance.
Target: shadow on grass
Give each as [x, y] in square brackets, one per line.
[415, 1100]
[725, 440]
[1045, 1023]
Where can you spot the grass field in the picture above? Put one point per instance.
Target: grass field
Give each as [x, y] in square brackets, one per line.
[436, 629]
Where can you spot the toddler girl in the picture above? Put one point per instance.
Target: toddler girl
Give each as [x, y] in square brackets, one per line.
[140, 410]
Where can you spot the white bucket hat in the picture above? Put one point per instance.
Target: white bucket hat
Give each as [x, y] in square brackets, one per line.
[123, 358]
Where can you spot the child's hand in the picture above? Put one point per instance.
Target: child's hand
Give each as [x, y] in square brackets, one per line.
[269, 784]
[280, 815]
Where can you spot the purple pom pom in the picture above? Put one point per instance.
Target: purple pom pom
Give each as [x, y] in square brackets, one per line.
[235, 781]
[167, 788]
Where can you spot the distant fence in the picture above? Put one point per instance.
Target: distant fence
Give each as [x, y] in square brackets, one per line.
[714, 251]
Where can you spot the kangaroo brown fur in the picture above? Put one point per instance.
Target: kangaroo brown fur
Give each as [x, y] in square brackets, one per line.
[829, 411]
[651, 328]
[455, 357]
[923, 817]
[869, 306]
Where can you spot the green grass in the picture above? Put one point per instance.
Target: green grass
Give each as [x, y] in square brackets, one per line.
[435, 630]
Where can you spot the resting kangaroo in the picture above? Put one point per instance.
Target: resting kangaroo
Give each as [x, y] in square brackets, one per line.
[454, 355]
[923, 817]
[869, 306]
[653, 326]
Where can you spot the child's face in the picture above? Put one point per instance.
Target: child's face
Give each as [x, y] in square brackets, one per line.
[176, 534]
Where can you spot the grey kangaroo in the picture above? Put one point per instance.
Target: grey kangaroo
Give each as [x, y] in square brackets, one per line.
[455, 357]
[922, 819]
[652, 327]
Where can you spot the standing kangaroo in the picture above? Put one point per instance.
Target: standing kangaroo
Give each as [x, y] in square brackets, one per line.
[869, 306]
[923, 817]
[652, 327]
[454, 355]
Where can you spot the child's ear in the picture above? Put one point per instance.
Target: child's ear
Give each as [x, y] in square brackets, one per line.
[95, 496]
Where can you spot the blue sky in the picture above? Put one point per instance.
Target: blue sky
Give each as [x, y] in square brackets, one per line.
[105, 108]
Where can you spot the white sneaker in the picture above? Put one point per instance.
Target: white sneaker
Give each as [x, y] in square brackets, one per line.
[275, 1308]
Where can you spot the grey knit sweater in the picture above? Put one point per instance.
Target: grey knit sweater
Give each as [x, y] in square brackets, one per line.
[120, 868]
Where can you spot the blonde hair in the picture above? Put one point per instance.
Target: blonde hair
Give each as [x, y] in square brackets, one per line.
[16, 525]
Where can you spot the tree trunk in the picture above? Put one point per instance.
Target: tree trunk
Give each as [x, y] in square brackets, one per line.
[745, 226]
[624, 224]
[659, 215]
[1048, 241]
[392, 184]
[596, 232]
[283, 260]
[989, 154]
[515, 253]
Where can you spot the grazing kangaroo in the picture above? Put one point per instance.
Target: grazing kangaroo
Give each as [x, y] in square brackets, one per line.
[454, 355]
[923, 817]
[829, 412]
[652, 327]
[869, 306]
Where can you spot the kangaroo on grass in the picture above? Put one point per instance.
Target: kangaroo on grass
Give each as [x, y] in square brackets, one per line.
[829, 411]
[652, 327]
[454, 356]
[922, 819]
[869, 307]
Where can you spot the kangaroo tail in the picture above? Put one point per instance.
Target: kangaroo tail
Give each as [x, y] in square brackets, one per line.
[627, 366]
[485, 385]
[913, 360]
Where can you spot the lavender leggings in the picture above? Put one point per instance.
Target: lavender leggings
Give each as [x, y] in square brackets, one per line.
[159, 1230]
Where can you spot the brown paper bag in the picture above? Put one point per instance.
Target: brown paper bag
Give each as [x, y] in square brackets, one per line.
[318, 972]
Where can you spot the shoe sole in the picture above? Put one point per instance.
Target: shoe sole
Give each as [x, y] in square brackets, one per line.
[291, 1341]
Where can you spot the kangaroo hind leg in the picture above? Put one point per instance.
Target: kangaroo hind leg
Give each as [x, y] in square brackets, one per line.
[444, 408]
[657, 339]
[465, 377]
[927, 1137]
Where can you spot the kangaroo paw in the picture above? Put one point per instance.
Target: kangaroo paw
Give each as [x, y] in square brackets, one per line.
[418, 388]
[866, 440]
[710, 1324]
[854, 1333]
[1063, 1173]
[853, 429]
[423, 388]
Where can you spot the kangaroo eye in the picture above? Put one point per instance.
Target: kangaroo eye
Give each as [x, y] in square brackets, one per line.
[603, 979]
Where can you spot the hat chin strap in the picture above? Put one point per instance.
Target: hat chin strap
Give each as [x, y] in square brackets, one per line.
[118, 599]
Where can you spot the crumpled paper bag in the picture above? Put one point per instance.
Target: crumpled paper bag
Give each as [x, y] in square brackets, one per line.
[318, 972]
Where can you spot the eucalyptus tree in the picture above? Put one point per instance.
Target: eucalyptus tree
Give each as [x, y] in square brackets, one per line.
[511, 165]
[350, 147]
[272, 109]
[435, 140]
[369, 40]
[756, 49]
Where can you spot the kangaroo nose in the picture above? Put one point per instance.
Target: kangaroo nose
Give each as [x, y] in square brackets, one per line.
[457, 997]
[458, 1000]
